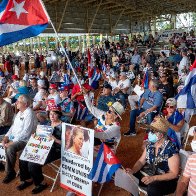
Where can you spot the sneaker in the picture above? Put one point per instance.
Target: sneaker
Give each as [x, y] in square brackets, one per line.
[9, 178]
[24, 185]
[128, 134]
[39, 188]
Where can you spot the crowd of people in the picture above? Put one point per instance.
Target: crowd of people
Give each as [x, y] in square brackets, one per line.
[103, 90]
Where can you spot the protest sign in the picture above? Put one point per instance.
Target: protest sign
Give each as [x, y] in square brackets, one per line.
[2, 153]
[126, 181]
[38, 146]
[77, 158]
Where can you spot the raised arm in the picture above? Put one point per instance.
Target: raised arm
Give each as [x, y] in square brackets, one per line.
[95, 111]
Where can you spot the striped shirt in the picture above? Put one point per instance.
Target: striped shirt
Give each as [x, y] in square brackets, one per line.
[190, 172]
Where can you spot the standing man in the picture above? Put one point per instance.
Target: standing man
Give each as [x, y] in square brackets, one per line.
[16, 138]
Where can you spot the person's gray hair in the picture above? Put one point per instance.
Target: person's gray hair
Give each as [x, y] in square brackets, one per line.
[26, 99]
[155, 83]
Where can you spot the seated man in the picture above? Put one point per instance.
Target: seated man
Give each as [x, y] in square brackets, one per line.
[16, 138]
[188, 179]
[123, 89]
[150, 104]
[105, 97]
[6, 116]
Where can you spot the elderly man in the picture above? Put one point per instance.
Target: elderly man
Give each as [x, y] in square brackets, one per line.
[16, 138]
[150, 104]
[188, 179]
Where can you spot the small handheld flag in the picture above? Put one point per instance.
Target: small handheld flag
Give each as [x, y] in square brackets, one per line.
[106, 164]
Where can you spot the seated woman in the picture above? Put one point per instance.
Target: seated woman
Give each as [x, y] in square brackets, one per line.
[108, 126]
[158, 167]
[174, 120]
[32, 172]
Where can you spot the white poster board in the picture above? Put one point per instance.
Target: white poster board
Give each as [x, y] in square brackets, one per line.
[2, 153]
[38, 146]
[126, 181]
[77, 159]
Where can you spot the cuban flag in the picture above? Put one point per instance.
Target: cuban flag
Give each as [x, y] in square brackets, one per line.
[20, 19]
[106, 164]
[145, 80]
[188, 93]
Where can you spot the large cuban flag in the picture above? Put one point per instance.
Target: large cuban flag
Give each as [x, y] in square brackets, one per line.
[106, 164]
[20, 19]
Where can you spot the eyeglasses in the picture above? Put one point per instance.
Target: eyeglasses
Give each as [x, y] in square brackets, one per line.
[162, 76]
[168, 106]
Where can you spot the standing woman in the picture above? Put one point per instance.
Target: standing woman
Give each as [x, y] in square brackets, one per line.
[32, 172]
[108, 126]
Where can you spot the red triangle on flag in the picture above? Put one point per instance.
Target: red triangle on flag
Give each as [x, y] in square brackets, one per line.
[24, 12]
[109, 156]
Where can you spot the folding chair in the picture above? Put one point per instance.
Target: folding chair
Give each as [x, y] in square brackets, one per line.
[190, 133]
[56, 169]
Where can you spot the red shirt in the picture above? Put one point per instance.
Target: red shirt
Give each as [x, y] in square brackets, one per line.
[76, 89]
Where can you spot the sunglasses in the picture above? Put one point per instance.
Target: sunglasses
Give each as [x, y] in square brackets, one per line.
[172, 107]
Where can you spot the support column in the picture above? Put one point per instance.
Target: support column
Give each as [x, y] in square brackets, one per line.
[173, 21]
[101, 39]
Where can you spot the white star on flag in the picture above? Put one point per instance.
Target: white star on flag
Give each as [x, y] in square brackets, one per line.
[18, 8]
[109, 156]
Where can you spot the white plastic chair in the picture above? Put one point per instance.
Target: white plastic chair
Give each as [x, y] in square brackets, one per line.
[190, 133]
[56, 169]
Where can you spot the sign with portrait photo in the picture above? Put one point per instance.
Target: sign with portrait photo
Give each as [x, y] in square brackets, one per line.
[38, 146]
[77, 158]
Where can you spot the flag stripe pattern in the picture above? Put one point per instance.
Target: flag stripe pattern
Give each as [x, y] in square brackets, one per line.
[105, 165]
[20, 19]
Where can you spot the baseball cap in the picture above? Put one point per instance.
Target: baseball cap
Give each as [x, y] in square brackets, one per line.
[108, 86]
[171, 102]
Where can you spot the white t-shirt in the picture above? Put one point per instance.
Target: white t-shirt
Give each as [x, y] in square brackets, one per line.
[113, 83]
[49, 60]
[124, 84]
[38, 97]
[184, 63]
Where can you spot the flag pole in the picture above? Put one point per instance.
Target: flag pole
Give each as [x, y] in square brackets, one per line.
[60, 43]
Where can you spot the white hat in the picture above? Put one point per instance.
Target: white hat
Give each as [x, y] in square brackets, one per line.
[119, 109]
[42, 74]
[171, 102]
[41, 83]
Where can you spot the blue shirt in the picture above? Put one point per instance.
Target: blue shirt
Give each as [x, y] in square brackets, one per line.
[152, 99]
[103, 101]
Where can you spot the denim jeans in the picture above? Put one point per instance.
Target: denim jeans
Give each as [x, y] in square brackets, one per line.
[122, 98]
[134, 114]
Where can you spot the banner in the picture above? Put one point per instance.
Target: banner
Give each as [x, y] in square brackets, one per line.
[77, 158]
[38, 146]
[2, 153]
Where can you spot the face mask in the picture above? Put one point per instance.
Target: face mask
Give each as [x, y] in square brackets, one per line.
[193, 145]
[152, 137]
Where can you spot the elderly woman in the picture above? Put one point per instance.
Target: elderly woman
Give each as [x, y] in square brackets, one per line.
[158, 167]
[32, 172]
[108, 127]
[174, 120]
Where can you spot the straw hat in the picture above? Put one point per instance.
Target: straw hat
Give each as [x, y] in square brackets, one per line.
[159, 124]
